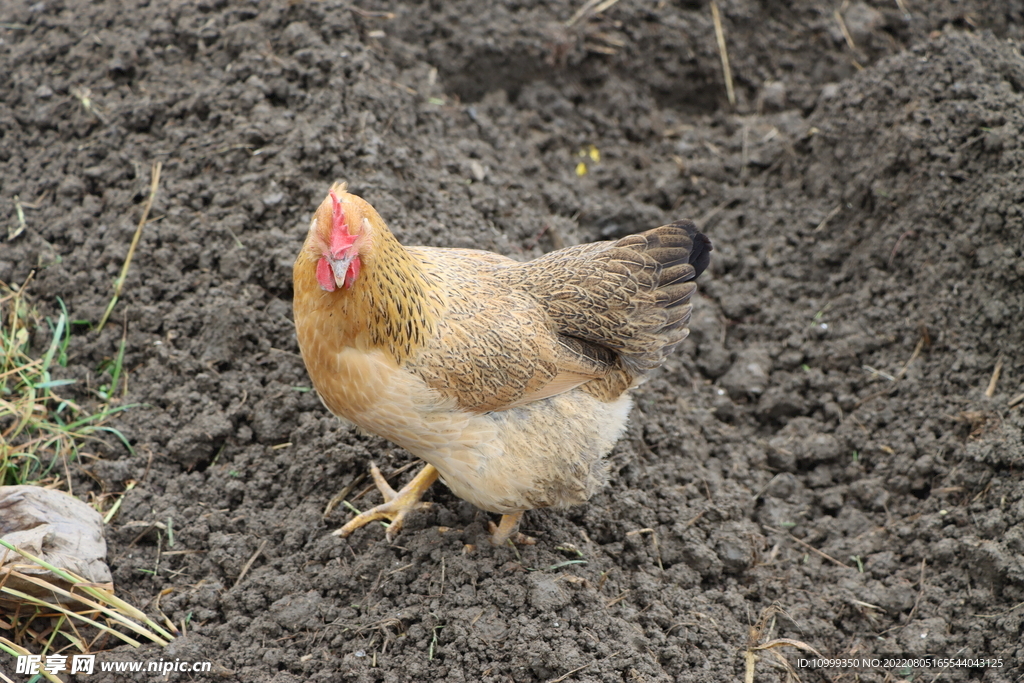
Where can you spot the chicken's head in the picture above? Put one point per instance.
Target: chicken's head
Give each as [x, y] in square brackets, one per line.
[339, 265]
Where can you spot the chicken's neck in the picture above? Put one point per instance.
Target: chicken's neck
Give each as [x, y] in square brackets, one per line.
[397, 300]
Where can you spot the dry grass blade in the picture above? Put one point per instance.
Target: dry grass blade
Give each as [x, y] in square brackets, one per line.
[831, 214]
[42, 583]
[19, 208]
[917, 352]
[788, 642]
[248, 564]
[810, 547]
[15, 230]
[907, 234]
[991, 390]
[590, 7]
[920, 593]
[751, 658]
[343, 494]
[1001, 614]
[154, 183]
[16, 650]
[370, 14]
[654, 538]
[601, 7]
[761, 630]
[581, 668]
[80, 616]
[845, 31]
[716, 17]
[84, 96]
[102, 601]
[117, 503]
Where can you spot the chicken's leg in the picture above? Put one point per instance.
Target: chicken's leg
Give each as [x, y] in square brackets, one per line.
[396, 505]
[508, 528]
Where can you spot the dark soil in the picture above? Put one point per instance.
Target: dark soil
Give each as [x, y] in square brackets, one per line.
[822, 444]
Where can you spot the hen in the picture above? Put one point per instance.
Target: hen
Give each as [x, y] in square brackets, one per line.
[511, 380]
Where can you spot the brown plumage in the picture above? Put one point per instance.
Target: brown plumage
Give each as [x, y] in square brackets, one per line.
[511, 379]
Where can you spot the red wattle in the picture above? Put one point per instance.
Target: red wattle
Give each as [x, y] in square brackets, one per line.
[325, 276]
[353, 272]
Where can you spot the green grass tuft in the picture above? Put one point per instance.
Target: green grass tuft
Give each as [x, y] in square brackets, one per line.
[39, 428]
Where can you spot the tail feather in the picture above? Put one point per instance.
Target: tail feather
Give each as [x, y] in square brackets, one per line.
[681, 253]
[630, 296]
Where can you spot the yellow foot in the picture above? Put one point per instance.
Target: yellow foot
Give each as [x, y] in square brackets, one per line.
[509, 529]
[396, 505]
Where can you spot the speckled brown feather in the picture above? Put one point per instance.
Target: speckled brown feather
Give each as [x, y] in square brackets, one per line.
[509, 377]
[605, 313]
[630, 296]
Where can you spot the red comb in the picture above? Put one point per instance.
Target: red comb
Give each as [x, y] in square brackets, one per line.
[341, 239]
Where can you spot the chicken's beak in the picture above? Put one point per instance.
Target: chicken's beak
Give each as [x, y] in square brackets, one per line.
[340, 266]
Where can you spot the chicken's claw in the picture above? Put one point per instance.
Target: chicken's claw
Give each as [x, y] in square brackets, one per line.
[397, 504]
[507, 530]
